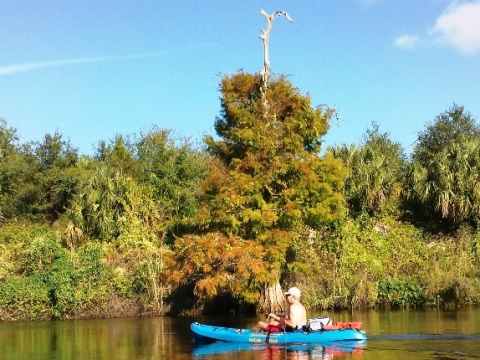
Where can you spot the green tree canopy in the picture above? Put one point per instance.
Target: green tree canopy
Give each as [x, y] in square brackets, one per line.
[452, 126]
[10, 166]
[445, 176]
[38, 178]
[119, 153]
[172, 169]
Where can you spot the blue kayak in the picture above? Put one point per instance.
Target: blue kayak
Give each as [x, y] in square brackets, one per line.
[217, 333]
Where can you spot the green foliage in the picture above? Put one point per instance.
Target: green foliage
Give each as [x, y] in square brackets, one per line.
[24, 298]
[172, 171]
[451, 126]
[399, 293]
[385, 263]
[375, 172]
[56, 178]
[39, 178]
[141, 272]
[453, 277]
[19, 243]
[168, 169]
[12, 169]
[119, 154]
[342, 269]
[106, 202]
[8, 149]
[46, 281]
[54, 152]
[41, 254]
[446, 169]
[92, 278]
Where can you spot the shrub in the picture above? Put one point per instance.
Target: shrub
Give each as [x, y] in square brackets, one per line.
[400, 293]
[24, 298]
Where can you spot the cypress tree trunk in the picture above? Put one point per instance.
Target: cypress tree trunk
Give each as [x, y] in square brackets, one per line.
[272, 299]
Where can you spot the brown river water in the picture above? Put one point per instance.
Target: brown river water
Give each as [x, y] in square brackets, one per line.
[392, 334]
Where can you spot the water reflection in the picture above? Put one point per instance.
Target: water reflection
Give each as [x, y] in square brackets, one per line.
[132, 339]
[338, 350]
[427, 337]
[406, 335]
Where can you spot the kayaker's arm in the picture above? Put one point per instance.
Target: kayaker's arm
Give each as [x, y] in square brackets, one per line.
[277, 317]
[283, 319]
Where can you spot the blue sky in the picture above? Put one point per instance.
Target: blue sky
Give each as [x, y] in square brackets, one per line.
[94, 69]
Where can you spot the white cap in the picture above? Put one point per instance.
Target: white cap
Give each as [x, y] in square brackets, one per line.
[294, 291]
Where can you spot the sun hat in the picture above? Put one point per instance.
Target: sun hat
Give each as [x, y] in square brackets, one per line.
[294, 291]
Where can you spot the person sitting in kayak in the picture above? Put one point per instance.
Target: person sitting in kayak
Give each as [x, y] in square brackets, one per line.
[295, 318]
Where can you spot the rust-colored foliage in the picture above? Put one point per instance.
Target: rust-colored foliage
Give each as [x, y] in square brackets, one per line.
[219, 264]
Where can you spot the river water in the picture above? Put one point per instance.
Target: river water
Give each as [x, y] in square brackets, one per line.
[402, 334]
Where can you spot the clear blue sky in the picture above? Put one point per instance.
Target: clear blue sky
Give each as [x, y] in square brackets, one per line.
[94, 69]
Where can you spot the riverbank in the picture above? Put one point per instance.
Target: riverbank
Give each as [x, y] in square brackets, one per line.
[395, 267]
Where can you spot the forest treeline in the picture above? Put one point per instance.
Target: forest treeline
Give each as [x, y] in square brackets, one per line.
[151, 224]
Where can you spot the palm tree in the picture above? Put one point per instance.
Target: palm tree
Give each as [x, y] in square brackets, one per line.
[450, 183]
[445, 169]
[375, 170]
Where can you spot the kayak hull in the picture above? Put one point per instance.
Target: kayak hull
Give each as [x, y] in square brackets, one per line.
[203, 332]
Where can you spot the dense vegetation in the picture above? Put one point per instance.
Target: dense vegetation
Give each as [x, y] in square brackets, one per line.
[151, 224]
